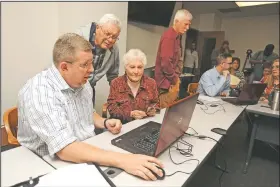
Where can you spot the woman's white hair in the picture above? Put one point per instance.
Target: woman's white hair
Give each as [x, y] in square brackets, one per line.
[183, 14]
[133, 55]
[110, 18]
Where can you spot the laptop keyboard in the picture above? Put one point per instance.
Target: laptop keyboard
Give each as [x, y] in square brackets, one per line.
[148, 142]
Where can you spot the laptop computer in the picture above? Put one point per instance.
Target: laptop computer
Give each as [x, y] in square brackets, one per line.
[153, 138]
[249, 95]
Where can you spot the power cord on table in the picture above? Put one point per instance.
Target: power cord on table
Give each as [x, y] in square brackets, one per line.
[207, 105]
[185, 152]
[220, 146]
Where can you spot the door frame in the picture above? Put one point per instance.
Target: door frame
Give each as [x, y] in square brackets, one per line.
[219, 35]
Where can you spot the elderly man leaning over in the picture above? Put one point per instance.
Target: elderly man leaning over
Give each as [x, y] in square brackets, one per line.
[103, 36]
[56, 113]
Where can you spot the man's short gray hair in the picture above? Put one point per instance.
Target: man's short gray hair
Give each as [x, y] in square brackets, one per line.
[67, 45]
[110, 18]
[223, 56]
[183, 14]
[133, 55]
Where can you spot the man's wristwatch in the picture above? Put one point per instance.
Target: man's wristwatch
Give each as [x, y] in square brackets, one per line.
[105, 123]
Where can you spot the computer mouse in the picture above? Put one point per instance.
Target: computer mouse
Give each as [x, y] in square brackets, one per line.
[199, 102]
[157, 176]
[214, 105]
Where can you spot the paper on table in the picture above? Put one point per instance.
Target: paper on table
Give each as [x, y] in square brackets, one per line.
[234, 80]
[74, 175]
[207, 98]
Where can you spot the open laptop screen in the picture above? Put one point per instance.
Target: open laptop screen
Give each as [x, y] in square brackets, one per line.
[176, 122]
[252, 92]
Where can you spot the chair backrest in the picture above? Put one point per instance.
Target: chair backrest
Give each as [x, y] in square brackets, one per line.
[10, 120]
[192, 88]
[150, 72]
[104, 110]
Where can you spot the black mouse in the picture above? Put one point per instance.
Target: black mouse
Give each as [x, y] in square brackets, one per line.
[214, 105]
[159, 177]
[199, 102]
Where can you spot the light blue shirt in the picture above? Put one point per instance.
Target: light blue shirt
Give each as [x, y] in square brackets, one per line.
[212, 83]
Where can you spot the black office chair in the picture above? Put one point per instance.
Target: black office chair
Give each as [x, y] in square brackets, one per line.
[150, 72]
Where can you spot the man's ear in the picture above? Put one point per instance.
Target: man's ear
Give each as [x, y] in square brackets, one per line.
[63, 66]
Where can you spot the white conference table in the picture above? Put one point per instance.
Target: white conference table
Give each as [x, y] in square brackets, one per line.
[19, 164]
[201, 122]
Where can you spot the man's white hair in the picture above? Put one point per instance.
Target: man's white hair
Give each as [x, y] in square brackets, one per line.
[110, 18]
[183, 14]
[133, 55]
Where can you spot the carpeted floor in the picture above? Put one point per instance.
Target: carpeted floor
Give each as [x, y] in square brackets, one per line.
[263, 170]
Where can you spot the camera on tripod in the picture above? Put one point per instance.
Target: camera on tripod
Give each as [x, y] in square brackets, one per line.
[249, 53]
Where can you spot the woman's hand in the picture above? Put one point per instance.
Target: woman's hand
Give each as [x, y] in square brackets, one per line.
[138, 114]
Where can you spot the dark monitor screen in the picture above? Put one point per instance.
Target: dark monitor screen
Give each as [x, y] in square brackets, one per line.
[176, 122]
[151, 12]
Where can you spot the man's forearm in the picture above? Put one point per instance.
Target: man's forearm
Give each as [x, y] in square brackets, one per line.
[215, 89]
[98, 121]
[80, 152]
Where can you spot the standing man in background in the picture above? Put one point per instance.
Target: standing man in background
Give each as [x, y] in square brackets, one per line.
[191, 60]
[266, 56]
[216, 52]
[169, 63]
[103, 36]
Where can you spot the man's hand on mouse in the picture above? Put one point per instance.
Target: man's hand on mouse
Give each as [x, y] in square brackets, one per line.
[141, 166]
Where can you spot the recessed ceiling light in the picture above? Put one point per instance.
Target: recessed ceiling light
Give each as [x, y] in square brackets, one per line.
[243, 4]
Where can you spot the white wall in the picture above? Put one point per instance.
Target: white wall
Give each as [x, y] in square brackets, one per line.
[29, 31]
[251, 33]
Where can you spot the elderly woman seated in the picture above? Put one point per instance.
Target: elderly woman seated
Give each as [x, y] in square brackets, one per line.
[272, 82]
[133, 95]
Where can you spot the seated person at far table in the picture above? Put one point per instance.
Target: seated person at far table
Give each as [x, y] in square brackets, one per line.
[272, 82]
[266, 72]
[234, 70]
[133, 95]
[216, 81]
[56, 113]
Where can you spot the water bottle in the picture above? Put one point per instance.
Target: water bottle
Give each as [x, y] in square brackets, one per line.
[275, 100]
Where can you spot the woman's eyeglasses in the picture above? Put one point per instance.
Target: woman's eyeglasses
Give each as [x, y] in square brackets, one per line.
[277, 67]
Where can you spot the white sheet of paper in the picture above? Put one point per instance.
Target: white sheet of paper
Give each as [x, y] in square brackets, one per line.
[234, 80]
[74, 175]
[207, 98]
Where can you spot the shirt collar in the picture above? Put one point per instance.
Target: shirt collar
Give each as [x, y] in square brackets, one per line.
[175, 33]
[216, 72]
[126, 88]
[62, 84]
